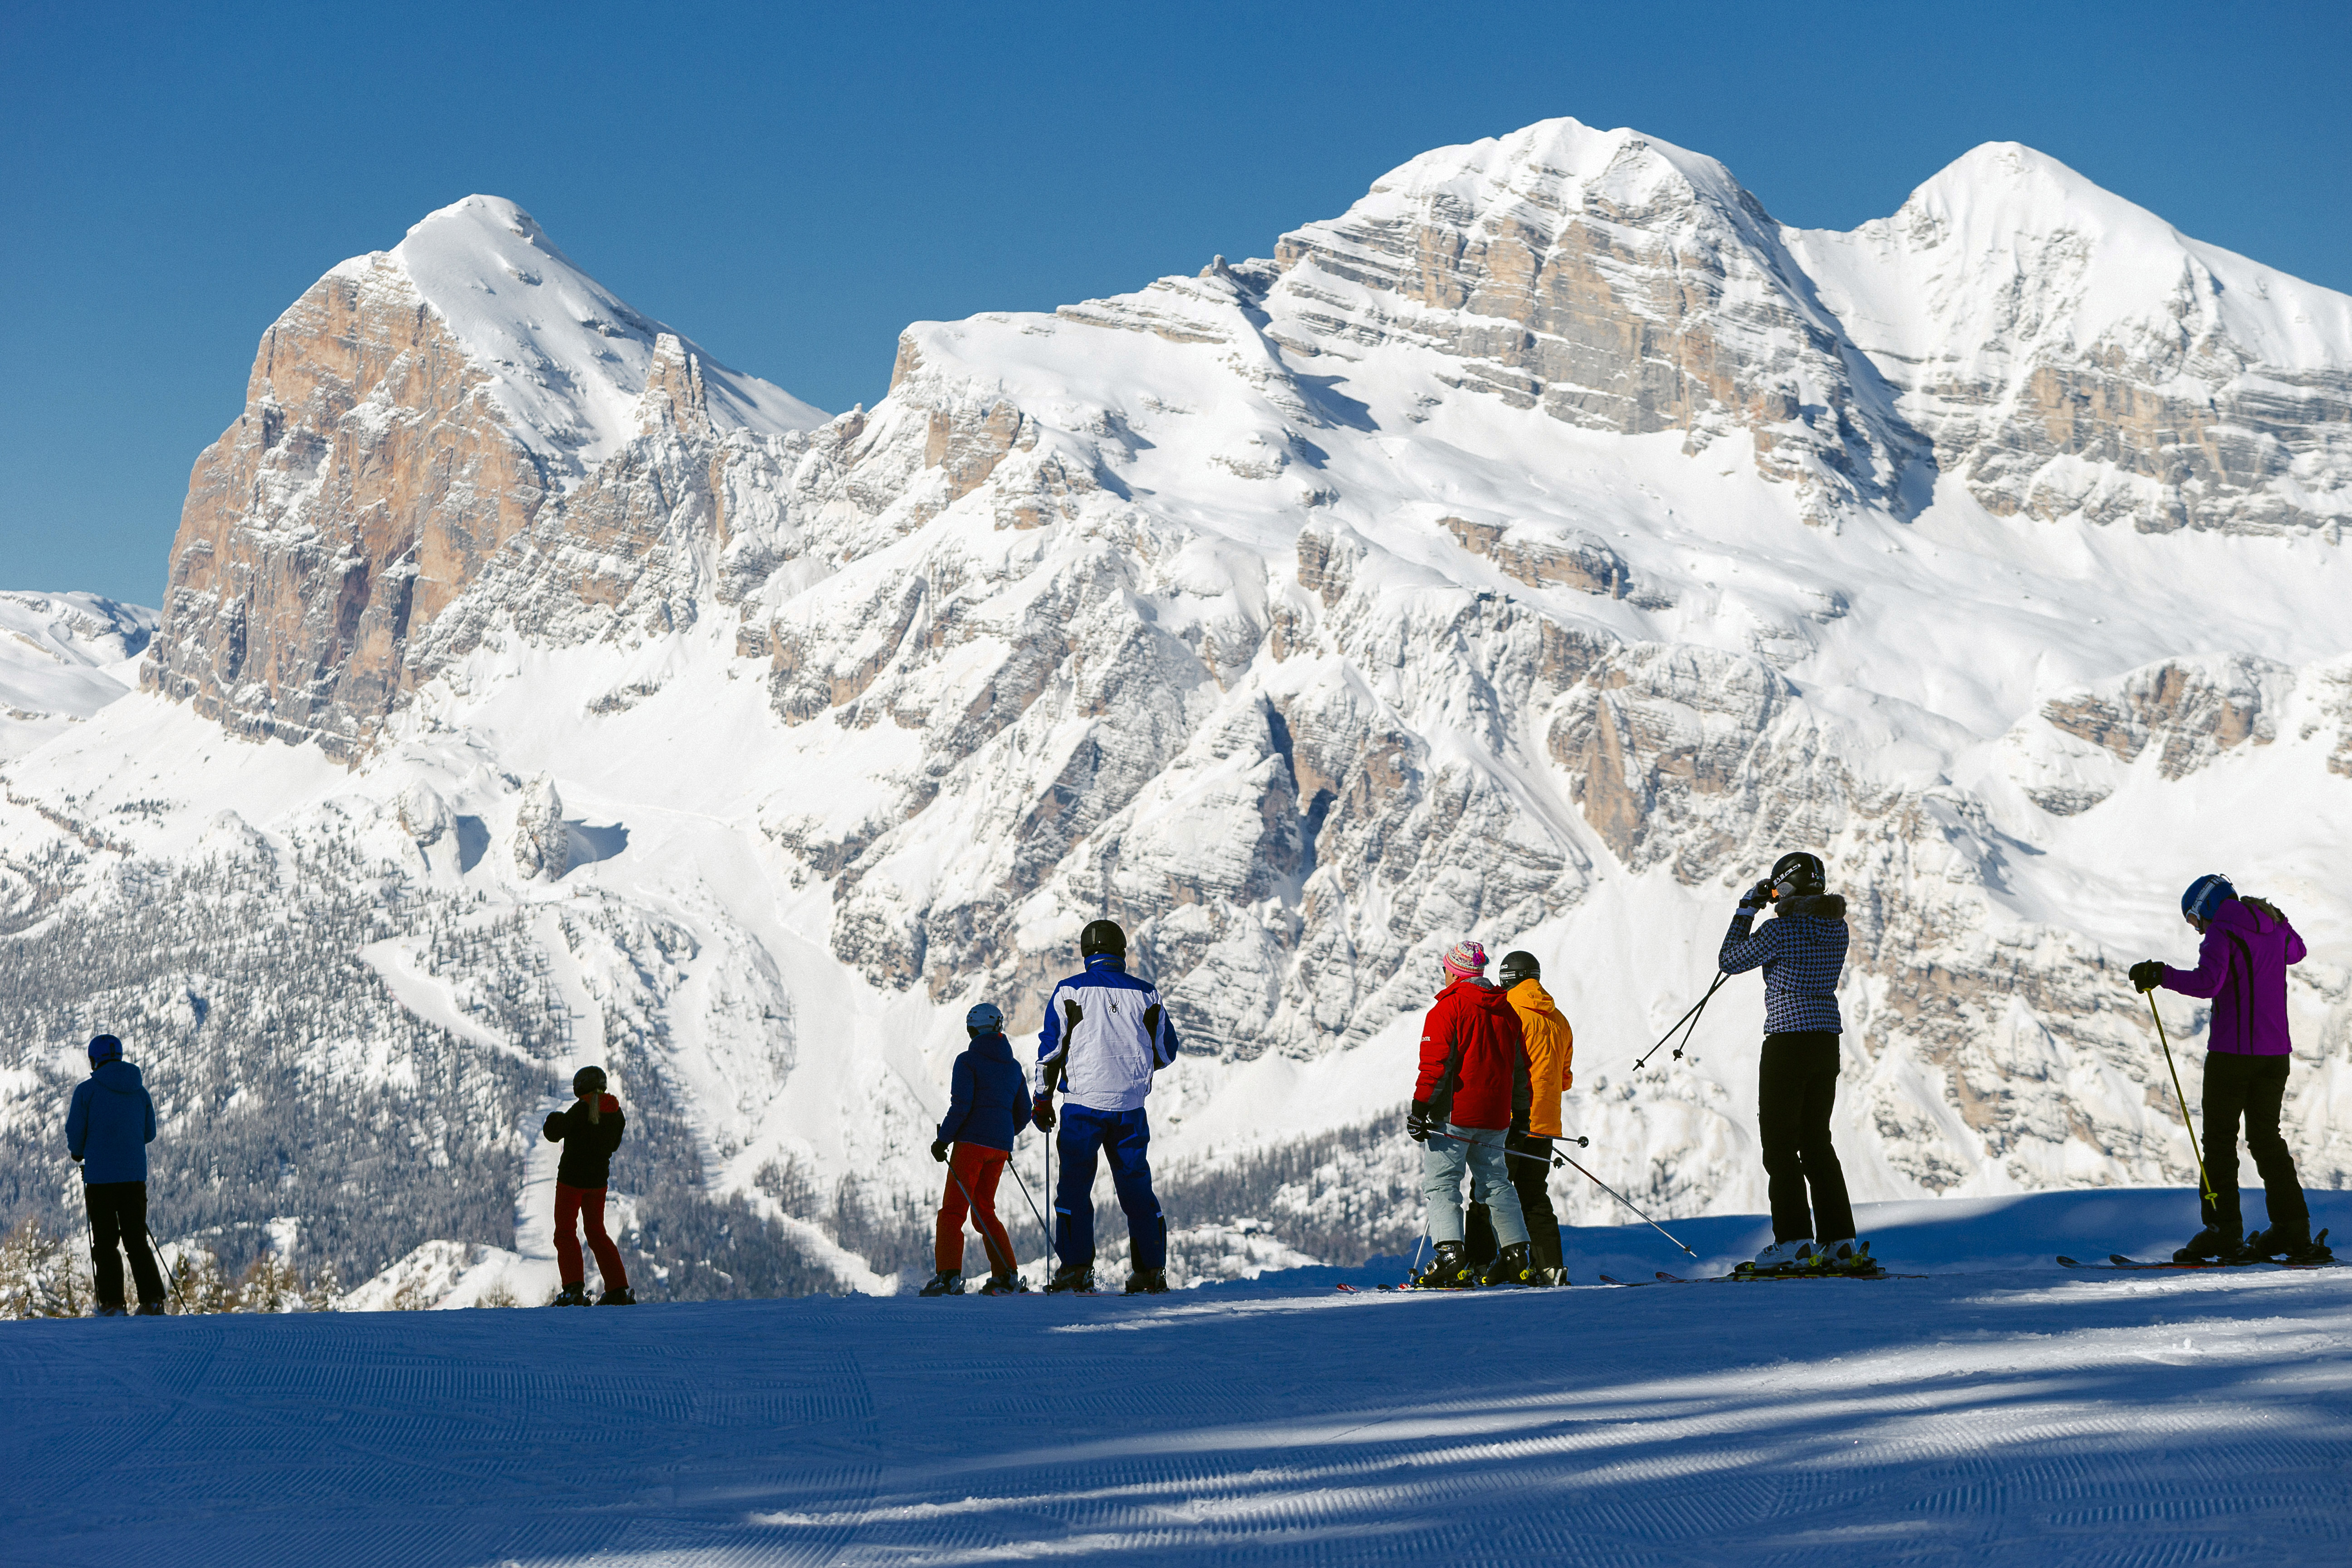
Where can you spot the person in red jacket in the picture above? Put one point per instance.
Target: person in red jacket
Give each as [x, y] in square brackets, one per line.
[1472, 1093]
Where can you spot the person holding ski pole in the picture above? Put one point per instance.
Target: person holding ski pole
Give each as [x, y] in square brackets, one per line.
[988, 1101]
[109, 1125]
[1801, 951]
[589, 1130]
[1106, 1034]
[2241, 964]
[1552, 1048]
[1471, 1092]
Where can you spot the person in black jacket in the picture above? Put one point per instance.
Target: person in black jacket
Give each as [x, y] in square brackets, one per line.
[589, 1133]
[108, 1128]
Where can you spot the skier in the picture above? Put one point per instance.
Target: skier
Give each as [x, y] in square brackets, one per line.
[1801, 951]
[589, 1131]
[2241, 963]
[987, 1103]
[107, 1128]
[1106, 1034]
[1471, 1095]
[1552, 1048]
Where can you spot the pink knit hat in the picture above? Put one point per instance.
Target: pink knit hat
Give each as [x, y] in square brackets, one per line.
[1464, 960]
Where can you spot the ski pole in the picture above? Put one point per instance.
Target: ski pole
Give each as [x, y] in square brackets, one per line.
[1690, 1017]
[986, 1246]
[1042, 1227]
[1419, 1242]
[2204, 1182]
[1622, 1198]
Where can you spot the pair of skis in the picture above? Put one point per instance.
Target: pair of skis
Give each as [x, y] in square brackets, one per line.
[2318, 1257]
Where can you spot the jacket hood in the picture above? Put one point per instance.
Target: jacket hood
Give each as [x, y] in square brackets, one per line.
[118, 1076]
[1530, 995]
[995, 1047]
[2240, 916]
[1480, 991]
[1817, 906]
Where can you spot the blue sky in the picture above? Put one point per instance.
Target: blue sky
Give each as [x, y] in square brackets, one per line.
[792, 184]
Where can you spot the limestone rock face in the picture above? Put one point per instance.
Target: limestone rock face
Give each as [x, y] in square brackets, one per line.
[407, 419]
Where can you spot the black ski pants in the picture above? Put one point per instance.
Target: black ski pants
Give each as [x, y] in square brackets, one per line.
[1796, 1091]
[2253, 1088]
[1532, 1181]
[118, 1224]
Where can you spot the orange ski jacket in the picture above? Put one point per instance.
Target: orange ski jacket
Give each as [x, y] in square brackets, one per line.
[1552, 1048]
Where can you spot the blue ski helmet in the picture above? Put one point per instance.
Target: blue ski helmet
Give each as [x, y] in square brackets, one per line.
[105, 1049]
[2206, 895]
[984, 1019]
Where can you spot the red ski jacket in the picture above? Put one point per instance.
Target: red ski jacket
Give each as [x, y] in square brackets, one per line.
[1473, 1059]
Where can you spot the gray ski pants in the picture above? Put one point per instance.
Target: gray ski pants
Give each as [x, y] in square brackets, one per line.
[1442, 1163]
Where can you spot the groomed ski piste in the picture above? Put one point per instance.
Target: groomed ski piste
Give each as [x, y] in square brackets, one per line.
[1998, 1408]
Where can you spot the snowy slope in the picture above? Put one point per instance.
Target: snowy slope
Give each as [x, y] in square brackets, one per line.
[63, 656]
[2024, 1413]
[1533, 551]
[570, 359]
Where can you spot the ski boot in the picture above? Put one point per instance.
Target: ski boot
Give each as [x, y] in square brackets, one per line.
[2288, 1242]
[944, 1285]
[572, 1296]
[1781, 1257]
[2214, 1244]
[150, 1309]
[1511, 1266]
[1451, 1269]
[1077, 1278]
[1851, 1256]
[109, 1309]
[1005, 1285]
[1548, 1278]
[619, 1296]
[1148, 1282]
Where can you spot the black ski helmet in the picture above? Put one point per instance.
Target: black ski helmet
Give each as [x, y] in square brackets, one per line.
[1799, 873]
[1102, 936]
[1518, 966]
[588, 1081]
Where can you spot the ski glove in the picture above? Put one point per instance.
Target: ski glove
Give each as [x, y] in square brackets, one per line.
[1756, 897]
[2148, 975]
[939, 1150]
[1043, 1114]
[1518, 1125]
[1418, 1125]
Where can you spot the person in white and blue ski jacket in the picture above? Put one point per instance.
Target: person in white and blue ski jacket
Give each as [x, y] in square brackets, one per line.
[1106, 1034]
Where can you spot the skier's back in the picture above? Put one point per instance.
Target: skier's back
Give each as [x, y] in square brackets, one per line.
[1106, 1034]
[107, 1128]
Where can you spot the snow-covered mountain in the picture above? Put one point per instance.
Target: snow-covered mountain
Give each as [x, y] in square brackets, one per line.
[1532, 551]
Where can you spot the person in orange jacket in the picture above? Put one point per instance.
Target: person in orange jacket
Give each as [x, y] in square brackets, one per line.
[1552, 1048]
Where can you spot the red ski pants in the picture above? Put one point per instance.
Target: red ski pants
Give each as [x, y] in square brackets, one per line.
[587, 1204]
[977, 1169]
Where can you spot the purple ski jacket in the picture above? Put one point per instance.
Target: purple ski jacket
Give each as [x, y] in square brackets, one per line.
[2241, 964]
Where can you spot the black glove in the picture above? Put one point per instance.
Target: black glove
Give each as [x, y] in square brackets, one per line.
[552, 1128]
[1756, 897]
[1519, 1126]
[1419, 1124]
[1043, 1114]
[2147, 975]
[939, 1150]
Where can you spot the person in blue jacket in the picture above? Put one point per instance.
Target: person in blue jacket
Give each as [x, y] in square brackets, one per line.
[108, 1128]
[988, 1101]
[1106, 1034]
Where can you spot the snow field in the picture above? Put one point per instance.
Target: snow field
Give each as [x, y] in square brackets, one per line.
[2043, 1416]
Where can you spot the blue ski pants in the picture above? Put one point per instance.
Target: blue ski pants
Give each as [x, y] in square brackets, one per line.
[1480, 1150]
[1126, 1137]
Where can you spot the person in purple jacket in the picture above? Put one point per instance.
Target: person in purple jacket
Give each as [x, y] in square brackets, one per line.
[2241, 964]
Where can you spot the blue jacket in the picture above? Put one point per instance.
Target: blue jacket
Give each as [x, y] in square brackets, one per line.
[1109, 1031]
[110, 1124]
[988, 1099]
[1801, 951]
